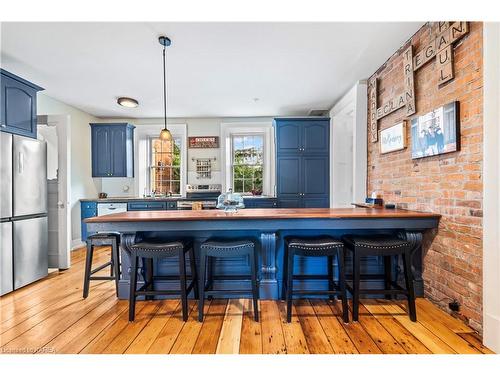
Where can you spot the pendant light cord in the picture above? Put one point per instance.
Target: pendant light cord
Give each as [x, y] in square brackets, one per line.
[164, 88]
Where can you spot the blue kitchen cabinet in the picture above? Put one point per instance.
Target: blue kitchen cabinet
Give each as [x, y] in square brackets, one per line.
[146, 206]
[264, 202]
[18, 105]
[302, 135]
[112, 150]
[87, 209]
[303, 165]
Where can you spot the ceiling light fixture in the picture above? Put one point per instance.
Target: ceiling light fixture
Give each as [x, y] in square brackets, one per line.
[127, 102]
[165, 134]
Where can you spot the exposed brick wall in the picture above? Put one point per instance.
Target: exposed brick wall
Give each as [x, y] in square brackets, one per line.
[449, 184]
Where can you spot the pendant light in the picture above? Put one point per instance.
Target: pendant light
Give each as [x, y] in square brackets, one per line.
[165, 134]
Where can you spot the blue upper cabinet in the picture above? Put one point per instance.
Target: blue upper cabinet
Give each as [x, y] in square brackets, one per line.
[303, 162]
[288, 135]
[302, 135]
[112, 150]
[18, 105]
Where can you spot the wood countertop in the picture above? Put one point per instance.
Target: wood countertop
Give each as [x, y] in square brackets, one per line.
[262, 214]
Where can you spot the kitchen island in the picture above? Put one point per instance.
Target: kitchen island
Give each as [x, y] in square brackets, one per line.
[268, 227]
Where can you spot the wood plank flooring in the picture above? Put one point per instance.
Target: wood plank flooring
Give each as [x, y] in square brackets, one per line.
[50, 316]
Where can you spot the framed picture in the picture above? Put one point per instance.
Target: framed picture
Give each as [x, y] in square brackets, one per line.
[436, 132]
[393, 138]
[203, 142]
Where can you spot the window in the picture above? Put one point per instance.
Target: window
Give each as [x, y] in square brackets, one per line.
[247, 163]
[165, 167]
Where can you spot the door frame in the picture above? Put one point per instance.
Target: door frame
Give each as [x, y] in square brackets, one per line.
[62, 124]
[353, 104]
[491, 182]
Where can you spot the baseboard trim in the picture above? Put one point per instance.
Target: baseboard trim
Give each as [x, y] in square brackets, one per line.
[76, 244]
[491, 332]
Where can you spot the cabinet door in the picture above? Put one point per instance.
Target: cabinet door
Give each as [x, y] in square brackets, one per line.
[288, 134]
[289, 176]
[118, 138]
[101, 152]
[316, 181]
[18, 107]
[315, 137]
[87, 209]
[289, 181]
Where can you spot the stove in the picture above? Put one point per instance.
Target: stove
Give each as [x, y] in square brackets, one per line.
[206, 195]
[203, 191]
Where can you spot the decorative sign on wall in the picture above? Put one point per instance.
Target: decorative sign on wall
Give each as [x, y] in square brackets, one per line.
[203, 142]
[436, 132]
[393, 138]
[445, 34]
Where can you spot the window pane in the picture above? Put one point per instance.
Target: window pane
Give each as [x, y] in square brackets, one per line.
[248, 171]
[165, 166]
[258, 172]
[238, 171]
[247, 160]
[237, 143]
[176, 174]
[238, 186]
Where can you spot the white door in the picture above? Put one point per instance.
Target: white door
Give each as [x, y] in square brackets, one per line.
[342, 160]
[60, 241]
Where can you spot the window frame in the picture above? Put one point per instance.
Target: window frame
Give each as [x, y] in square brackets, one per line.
[150, 165]
[142, 155]
[249, 128]
[231, 160]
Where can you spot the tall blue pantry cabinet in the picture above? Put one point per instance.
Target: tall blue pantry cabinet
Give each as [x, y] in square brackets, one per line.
[302, 162]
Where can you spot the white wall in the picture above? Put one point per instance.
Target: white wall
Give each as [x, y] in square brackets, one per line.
[82, 184]
[195, 127]
[491, 175]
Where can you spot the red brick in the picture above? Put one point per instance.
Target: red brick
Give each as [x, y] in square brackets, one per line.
[449, 184]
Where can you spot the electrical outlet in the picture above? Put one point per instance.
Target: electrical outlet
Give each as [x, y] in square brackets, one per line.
[454, 306]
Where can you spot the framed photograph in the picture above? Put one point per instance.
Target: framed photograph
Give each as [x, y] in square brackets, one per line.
[393, 138]
[203, 142]
[436, 132]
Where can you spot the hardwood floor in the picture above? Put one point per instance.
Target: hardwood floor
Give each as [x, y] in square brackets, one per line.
[50, 316]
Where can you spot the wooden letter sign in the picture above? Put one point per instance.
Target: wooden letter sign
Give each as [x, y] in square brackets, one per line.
[445, 34]
[203, 142]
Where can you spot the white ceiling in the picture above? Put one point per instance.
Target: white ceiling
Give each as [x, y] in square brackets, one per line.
[214, 69]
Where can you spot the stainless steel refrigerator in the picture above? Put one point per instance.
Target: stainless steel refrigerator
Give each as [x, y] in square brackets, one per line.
[23, 211]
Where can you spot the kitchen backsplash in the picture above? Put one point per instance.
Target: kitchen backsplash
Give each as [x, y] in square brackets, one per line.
[125, 187]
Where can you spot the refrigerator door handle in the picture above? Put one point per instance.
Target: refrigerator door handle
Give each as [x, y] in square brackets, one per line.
[21, 163]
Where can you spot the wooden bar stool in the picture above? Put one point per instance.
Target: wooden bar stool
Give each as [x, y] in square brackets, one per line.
[102, 239]
[150, 250]
[314, 247]
[388, 247]
[209, 251]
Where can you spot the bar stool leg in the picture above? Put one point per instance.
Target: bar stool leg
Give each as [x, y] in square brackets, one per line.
[255, 287]
[285, 273]
[201, 283]
[388, 274]
[356, 286]
[330, 276]
[133, 288]
[148, 264]
[345, 308]
[194, 273]
[289, 286]
[409, 286]
[88, 268]
[115, 266]
[182, 273]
